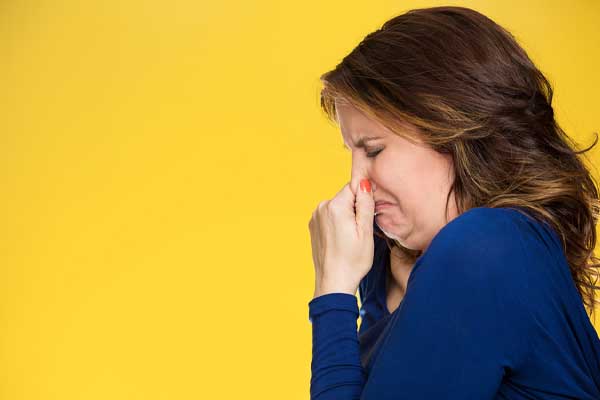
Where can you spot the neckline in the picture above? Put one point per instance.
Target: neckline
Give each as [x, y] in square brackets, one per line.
[381, 276]
[384, 269]
[386, 276]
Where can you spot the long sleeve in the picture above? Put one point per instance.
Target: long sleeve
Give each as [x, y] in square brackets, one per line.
[336, 369]
[462, 324]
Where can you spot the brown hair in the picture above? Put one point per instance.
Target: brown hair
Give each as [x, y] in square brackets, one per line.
[473, 92]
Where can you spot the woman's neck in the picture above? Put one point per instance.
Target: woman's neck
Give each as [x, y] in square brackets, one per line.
[401, 264]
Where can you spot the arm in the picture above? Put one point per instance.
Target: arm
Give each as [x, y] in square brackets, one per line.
[460, 327]
[336, 369]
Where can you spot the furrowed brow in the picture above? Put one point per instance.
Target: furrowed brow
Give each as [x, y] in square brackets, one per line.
[362, 141]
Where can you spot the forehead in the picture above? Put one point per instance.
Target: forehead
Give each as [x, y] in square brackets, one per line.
[356, 125]
[358, 128]
[349, 116]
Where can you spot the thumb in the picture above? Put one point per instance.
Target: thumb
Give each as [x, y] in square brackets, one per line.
[365, 207]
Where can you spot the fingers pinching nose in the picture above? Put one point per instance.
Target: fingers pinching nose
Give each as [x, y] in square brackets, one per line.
[365, 185]
[356, 184]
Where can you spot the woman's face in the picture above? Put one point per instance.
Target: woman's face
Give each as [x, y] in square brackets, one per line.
[413, 177]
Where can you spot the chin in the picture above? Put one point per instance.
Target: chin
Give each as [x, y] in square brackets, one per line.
[390, 235]
[410, 247]
[402, 241]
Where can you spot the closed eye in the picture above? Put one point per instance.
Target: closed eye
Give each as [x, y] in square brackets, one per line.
[373, 154]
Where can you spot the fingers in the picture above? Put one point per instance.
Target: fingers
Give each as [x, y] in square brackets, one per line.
[344, 199]
[365, 210]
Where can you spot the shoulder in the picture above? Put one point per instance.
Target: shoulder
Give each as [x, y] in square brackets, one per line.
[491, 221]
[479, 231]
[504, 228]
[485, 244]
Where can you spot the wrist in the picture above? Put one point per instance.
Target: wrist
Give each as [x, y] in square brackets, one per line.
[321, 290]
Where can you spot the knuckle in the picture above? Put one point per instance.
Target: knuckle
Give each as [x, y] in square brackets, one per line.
[332, 207]
[322, 208]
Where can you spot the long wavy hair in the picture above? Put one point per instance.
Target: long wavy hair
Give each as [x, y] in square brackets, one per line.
[474, 93]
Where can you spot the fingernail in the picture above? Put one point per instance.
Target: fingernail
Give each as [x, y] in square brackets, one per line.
[365, 185]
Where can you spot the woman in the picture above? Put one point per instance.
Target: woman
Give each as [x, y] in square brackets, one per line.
[468, 226]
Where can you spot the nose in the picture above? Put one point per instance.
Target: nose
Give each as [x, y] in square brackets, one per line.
[360, 171]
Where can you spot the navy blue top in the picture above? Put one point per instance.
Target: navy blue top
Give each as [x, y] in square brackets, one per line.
[490, 312]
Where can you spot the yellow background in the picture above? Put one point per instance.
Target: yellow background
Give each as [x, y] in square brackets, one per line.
[160, 163]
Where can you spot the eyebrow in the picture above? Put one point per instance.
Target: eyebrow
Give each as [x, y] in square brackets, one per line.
[361, 142]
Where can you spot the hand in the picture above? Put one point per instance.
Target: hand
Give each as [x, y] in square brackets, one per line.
[341, 233]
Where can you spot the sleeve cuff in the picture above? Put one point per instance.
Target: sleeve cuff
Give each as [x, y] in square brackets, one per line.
[332, 301]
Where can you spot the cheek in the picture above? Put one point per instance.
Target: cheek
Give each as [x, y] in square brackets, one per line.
[396, 176]
[403, 182]
[390, 179]
[385, 177]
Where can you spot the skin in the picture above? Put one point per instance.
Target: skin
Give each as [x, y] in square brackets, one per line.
[412, 176]
[400, 268]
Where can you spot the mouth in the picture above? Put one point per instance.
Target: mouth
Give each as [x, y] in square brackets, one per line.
[379, 206]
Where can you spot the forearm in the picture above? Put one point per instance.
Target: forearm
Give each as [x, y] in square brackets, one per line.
[336, 369]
